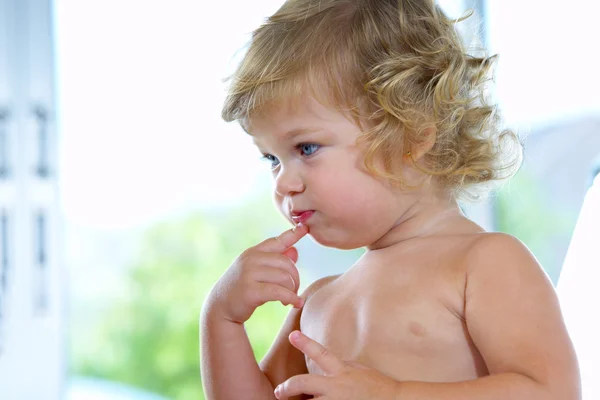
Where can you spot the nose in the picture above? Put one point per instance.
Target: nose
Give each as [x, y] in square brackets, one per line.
[288, 182]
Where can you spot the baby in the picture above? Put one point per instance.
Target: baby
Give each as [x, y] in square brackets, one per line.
[373, 118]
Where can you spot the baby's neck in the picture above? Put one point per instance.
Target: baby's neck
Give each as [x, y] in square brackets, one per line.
[425, 218]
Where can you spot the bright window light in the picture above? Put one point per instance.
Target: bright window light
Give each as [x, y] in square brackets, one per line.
[579, 294]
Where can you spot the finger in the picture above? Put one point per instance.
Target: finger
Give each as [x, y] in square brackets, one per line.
[316, 385]
[277, 276]
[287, 239]
[279, 261]
[292, 254]
[357, 365]
[271, 292]
[326, 360]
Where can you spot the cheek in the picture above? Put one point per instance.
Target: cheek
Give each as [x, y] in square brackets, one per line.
[352, 188]
[336, 181]
[360, 204]
[278, 201]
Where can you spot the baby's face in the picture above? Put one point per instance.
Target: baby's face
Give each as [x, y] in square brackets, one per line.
[319, 175]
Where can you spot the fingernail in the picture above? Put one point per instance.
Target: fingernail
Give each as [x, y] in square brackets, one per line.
[295, 335]
[277, 390]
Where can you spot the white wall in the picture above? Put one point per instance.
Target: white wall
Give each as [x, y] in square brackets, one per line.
[548, 58]
[32, 361]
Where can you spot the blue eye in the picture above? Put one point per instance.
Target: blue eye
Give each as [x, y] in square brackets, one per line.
[308, 149]
[272, 159]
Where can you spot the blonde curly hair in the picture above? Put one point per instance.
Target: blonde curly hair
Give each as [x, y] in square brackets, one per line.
[399, 68]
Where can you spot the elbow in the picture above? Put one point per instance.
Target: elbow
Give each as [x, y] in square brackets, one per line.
[562, 389]
[571, 394]
[570, 391]
[567, 385]
[558, 388]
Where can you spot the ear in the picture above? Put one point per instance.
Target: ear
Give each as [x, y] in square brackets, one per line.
[426, 142]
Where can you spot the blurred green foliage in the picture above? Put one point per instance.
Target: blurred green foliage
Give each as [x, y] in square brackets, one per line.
[148, 337]
[522, 211]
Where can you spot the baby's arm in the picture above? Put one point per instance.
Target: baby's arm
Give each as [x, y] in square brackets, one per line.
[228, 359]
[514, 319]
[284, 360]
[262, 273]
[228, 363]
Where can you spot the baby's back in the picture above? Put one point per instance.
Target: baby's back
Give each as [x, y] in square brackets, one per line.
[400, 311]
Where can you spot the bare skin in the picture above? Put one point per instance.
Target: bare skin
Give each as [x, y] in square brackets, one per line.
[426, 339]
[438, 308]
[408, 311]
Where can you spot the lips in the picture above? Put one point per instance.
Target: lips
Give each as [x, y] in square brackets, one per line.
[300, 217]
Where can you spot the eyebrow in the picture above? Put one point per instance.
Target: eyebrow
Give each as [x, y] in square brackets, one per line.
[294, 132]
[291, 134]
[300, 131]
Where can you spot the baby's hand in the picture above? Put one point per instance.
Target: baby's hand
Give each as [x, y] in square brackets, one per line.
[265, 272]
[342, 380]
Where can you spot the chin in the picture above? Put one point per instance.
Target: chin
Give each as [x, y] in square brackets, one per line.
[329, 240]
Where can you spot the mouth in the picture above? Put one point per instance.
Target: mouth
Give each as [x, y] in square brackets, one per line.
[300, 217]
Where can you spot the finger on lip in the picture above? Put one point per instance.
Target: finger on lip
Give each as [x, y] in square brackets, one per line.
[299, 226]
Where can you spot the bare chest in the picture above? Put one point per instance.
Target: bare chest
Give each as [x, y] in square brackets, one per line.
[407, 326]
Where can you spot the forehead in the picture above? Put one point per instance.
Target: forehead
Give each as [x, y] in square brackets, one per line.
[294, 117]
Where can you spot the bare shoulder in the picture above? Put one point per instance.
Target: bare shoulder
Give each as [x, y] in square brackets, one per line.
[317, 285]
[510, 306]
[283, 360]
[500, 253]
[500, 266]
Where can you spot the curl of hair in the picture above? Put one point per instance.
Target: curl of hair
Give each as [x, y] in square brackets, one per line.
[399, 68]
